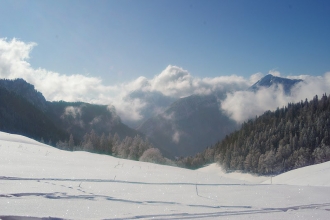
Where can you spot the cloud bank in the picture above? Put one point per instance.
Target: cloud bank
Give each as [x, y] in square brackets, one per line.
[243, 105]
[132, 99]
[143, 97]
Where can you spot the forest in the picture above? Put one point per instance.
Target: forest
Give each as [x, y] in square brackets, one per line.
[133, 148]
[290, 137]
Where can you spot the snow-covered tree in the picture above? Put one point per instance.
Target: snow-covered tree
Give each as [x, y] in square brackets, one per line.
[153, 155]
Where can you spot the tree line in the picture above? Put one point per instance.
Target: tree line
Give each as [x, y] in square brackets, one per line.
[133, 148]
[290, 137]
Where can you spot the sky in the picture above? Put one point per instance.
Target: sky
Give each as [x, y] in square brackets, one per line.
[122, 40]
[94, 50]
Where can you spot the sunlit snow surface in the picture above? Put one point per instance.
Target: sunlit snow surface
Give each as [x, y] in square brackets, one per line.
[40, 181]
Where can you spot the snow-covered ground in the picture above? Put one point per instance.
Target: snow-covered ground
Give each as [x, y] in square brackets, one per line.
[39, 181]
[315, 175]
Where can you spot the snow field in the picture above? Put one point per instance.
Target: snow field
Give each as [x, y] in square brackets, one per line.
[39, 181]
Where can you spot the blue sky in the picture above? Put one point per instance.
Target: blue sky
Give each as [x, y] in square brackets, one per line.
[119, 41]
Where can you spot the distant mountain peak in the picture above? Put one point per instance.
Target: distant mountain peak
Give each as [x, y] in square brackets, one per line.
[270, 80]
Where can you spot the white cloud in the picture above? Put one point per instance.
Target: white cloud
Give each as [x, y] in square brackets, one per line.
[275, 73]
[243, 105]
[144, 97]
[176, 137]
[176, 133]
[255, 77]
[174, 82]
[14, 55]
[130, 110]
[76, 113]
[96, 120]
[177, 82]
[14, 52]
[73, 111]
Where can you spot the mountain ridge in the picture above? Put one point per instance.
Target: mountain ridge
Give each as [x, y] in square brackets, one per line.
[270, 80]
[26, 90]
[75, 118]
[192, 123]
[19, 116]
[189, 125]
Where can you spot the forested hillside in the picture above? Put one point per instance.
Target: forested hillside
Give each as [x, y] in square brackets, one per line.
[79, 118]
[25, 111]
[275, 142]
[19, 116]
[27, 91]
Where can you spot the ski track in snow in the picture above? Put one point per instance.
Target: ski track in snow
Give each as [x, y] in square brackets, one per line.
[122, 181]
[194, 215]
[222, 209]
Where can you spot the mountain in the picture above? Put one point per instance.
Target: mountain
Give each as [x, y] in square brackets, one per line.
[79, 118]
[26, 91]
[270, 80]
[192, 123]
[19, 116]
[189, 125]
[24, 110]
[275, 142]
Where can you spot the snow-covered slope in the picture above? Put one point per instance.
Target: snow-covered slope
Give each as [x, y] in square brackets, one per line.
[40, 181]
[214, 169]
[315, 175]
[18, 138]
